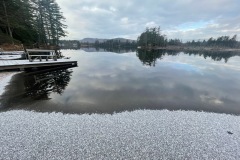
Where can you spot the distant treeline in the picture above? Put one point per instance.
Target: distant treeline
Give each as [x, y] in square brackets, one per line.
[117, 49]
[152, 37]
[223, 41]
[31, 21]
[69, 44]
[114, 43]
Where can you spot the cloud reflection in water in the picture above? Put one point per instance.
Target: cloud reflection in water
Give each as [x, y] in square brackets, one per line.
[108, 82]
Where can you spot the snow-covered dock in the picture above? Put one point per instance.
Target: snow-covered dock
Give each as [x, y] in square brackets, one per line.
[25, 64]
[140, 134]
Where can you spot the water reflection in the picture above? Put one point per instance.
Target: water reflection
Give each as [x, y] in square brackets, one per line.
[150, 57]
[108, 83]
[109, 49]
[28, 87]
[216, 56]
[40, 86]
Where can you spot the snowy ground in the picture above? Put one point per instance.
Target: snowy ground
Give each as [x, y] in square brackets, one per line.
[11, 52]
[141, 134]
[9, 57]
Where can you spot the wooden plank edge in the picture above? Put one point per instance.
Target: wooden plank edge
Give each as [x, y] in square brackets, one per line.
[22, 67]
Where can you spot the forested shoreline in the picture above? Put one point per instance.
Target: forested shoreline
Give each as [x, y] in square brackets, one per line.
[31, 22]
[152, 38]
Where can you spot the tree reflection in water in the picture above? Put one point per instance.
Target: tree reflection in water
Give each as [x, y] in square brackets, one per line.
[39, 86]
[150, 57]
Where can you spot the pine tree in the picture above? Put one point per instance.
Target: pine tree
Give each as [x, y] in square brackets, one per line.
[32, 21]
[151, 38]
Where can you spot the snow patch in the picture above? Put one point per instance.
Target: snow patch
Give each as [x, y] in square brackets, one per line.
[9, 57]
[5, 77]
[142, 134]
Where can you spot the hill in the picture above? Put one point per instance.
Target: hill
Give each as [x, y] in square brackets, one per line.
[93, 40]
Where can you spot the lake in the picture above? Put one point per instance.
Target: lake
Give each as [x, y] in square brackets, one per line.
[108, 82]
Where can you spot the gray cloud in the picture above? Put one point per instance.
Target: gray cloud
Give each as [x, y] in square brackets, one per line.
[186, 20]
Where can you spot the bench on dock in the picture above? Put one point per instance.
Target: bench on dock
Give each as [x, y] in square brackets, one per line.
[40, 54]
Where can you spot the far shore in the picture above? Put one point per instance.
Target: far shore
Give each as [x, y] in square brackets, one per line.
[14, 48]
[190, 48]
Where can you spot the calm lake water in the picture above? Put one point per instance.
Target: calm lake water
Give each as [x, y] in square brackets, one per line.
[107, 82]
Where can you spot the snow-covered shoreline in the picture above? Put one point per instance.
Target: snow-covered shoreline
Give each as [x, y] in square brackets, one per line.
[10, 57]
[5, 77]
[141, 134]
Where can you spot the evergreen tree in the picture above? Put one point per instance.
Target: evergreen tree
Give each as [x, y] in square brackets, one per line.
[32, 21]
[151, 38]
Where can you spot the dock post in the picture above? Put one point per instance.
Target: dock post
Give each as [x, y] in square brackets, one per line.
[30, 59]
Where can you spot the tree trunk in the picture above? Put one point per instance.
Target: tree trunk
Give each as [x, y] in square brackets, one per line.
[8, 25]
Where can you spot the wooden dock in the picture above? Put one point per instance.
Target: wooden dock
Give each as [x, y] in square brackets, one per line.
[25, 64]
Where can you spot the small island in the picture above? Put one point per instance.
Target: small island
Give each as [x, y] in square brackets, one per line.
[153, 39]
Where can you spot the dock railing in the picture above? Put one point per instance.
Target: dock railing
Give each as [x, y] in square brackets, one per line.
[40, 54]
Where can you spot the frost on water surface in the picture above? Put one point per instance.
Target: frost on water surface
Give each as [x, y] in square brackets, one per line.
[129, 135]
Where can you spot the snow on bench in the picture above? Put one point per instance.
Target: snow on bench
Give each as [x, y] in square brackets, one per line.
[50, 54]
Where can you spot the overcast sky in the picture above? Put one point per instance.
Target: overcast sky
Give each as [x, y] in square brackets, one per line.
[183, 19]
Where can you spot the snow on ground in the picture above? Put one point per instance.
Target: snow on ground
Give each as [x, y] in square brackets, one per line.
[5, 77]
[9, 57]
[142, 134]
[12, 52]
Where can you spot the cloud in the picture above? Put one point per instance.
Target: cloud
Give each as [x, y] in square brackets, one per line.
[186, 20]
[124, 20]
[151, 24]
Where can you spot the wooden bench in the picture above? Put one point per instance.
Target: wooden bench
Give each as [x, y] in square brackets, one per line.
[50, 54]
